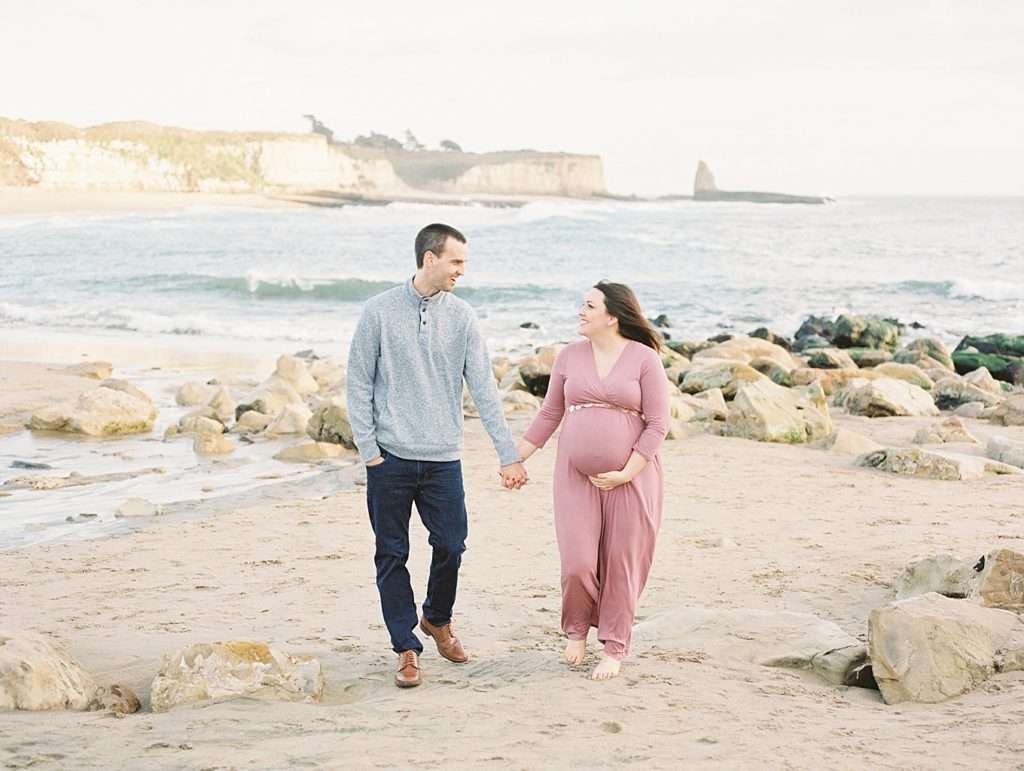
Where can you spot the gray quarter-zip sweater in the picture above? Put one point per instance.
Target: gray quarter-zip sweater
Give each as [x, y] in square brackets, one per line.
[408, 359]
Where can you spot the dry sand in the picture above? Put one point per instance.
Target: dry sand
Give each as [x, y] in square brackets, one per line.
[21, 200]
[804, 531]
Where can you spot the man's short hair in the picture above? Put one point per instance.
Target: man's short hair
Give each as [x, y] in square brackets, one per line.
[432, 238]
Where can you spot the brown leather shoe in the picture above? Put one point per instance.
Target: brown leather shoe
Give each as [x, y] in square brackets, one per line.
[408, 674]
[448, 644]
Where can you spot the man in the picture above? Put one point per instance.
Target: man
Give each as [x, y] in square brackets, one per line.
[412, 349]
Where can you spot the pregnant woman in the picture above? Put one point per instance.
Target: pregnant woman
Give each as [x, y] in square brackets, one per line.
[612, 391]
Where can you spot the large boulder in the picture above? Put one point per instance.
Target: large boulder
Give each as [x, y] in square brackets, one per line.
[293, 371]
[909, 373]
[818, 327]
[1005, 450]
[226, 670]
[868, 357]
[950, 430]
[953, 391]
[37, 674]
[212, 444]
[932, 648]
[1009, 369]
[329, 423]
[999, 344]
[999, 580]
[766, 334]
[746, 349]
[99, 412]
[729, 376]
[766, 412]
[194, 394]
[772, 370]
[311, 452]
[222, 405]
[251, 422]
[982, 378]
[201, 421]
[947, 466]
[1010, 412]
[830, 380]
[270, 399]
[772, 638]
[866, 332]
[928, 349]
[995, 580]
[707, 405]
[830, 358]
[329, 373]
[887, 397]
[535, 370]
[945, 574]
[294, 419]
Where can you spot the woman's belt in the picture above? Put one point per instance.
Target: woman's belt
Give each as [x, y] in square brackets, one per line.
[605, 405]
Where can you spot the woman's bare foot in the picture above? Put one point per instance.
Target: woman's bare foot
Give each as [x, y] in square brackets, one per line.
[575, 650]
[606, 669]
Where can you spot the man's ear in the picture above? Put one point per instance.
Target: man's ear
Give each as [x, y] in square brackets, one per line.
[429, 257]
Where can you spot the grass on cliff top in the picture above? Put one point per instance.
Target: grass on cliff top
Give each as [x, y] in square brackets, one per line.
[205, 154]
[127, 131]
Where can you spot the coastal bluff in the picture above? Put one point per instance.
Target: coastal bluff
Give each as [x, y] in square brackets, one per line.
[143, 157]
[705, 189]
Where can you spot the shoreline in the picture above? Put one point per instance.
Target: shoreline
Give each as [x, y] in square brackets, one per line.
[28, 201]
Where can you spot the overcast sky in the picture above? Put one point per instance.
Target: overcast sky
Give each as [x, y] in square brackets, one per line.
[803, 96]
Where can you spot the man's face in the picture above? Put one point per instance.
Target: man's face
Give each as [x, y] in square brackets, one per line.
[446, 268]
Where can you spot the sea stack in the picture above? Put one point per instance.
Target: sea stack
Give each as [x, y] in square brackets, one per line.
[705, 189]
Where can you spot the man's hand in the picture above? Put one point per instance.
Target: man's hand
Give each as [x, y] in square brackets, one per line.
[376, 461]
[609, 480]
[513, 476]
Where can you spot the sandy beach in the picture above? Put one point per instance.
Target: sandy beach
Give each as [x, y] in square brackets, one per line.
[748, 527]
[22, 200]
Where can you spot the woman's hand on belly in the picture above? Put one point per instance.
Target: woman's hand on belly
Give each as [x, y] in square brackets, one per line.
[609, 480]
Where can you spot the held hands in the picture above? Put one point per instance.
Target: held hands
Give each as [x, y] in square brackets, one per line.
[609, 480]
[513, 476]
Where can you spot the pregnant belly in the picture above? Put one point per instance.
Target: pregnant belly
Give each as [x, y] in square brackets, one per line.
[598, 440]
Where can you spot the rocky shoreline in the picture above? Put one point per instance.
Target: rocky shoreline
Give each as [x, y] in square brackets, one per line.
[842, 508]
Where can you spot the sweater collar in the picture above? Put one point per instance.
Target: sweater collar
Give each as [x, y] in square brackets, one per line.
[417, 299]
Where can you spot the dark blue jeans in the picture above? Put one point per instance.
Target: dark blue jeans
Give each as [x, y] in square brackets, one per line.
[392, 487]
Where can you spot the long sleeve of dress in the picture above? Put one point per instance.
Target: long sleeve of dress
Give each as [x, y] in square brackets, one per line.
[654, 405]
[553, 409]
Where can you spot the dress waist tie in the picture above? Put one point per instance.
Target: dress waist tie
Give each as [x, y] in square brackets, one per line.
[605, 405]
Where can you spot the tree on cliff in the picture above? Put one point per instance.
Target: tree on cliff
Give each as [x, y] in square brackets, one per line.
[319, 128]
[450, 146]
[377, 141]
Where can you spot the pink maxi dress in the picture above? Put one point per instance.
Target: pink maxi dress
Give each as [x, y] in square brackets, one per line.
[605, 538]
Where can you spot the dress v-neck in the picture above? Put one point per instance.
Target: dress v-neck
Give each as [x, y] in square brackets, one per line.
[593, 360]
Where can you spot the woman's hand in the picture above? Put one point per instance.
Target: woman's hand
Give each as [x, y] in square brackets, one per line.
[609, 480]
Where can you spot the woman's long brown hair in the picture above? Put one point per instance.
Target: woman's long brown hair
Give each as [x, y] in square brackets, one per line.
[621, 302]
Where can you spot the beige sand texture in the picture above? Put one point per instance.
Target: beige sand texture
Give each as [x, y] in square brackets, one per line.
[747, 525]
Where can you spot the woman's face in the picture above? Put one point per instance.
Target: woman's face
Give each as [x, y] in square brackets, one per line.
[594, 317]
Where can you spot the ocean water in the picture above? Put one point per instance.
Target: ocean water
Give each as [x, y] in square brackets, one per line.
[204, 282]
[297, 277]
